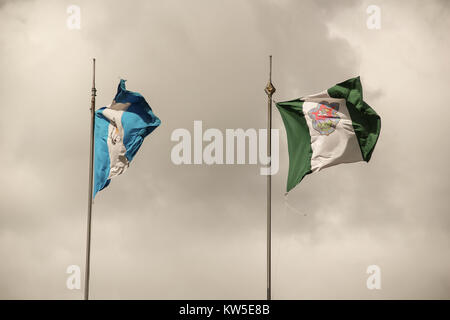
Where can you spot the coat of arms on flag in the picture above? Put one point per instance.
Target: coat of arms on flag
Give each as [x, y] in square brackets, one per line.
[325, 117]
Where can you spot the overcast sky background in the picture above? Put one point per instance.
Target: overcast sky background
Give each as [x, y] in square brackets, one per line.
[162, 231]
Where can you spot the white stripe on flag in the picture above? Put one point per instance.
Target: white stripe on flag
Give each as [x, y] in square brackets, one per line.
[118, 160]
[340, 146]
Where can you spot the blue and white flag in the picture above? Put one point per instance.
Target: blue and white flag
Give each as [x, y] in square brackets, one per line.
[120, 129]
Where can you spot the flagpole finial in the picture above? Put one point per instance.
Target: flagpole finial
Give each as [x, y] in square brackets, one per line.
[270, 89]
[270, 69]
[94, 90]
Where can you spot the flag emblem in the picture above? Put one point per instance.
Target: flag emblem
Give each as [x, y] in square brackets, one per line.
[325, 117]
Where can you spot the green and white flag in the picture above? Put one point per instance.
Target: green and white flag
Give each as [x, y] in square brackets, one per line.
[332, 127]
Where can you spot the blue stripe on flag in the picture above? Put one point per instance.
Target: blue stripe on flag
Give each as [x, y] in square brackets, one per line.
[101, 159]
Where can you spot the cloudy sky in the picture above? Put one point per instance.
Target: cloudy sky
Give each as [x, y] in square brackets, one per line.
[163, 231]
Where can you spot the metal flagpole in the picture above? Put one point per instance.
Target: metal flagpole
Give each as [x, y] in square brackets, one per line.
[270, 90]
[91, 178]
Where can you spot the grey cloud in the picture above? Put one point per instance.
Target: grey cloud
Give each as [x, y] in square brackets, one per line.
[167, 231]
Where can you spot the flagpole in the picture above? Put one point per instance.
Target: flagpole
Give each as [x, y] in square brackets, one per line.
[270, 90]
[91, 178]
